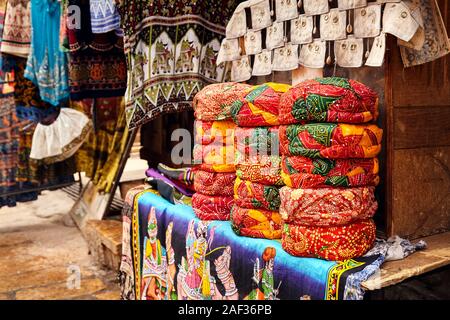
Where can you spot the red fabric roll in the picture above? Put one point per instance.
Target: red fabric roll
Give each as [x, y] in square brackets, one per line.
[327, 206]
[207, 132]
[214, 101]
[256, 223]
[265, 170]
[329, 243]
[214, 183]
[212, 207]
[254, 195]
[303, 172]
[328, 100]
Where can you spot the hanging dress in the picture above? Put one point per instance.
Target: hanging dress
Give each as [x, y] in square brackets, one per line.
[47, 64]
[17, 28]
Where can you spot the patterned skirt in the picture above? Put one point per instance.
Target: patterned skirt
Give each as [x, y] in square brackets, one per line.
[303, 172]
[327, 206]
[331, 141]
[256, 223]
[329, 243]
[329, 100]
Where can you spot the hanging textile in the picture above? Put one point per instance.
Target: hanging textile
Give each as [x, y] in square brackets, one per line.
[171, 52]
[47, 65]
[104, 16]
[17, 28]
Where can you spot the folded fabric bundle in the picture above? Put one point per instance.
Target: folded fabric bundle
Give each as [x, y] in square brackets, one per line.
[214, 101]
[329, 243]
[253, 142]
[264, 169]
[214, 157]
[207, 132]
[256, 223]
[214, 183]
[326, 207]
[212, 207]
[330, 140]
[329, 100]
[252, 195]
[183, 175]
[303, 172]
[260, 105]
[174, 184]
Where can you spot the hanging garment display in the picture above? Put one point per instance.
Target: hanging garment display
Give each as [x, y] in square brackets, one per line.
[329, 100]
[326, 207]
[329, 243]
[303, 172]
[17, 28]
[214, 183]
[302, 30]
[252, 195]
[260, 14]
[171, 53]
[259, 107]
[252, 42]
[349, 52]
[315, 7]
[241, 69]
[263, 63]
[367, 21]
[332, 141]
[285, 58]
[214, 101]
[104, 16]
[256, 223]
[47, 65]
[312, 55]
[62, 138]
[212, 207]
[333, 25]
[275, 36]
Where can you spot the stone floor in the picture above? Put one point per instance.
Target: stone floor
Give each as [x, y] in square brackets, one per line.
[44, 256]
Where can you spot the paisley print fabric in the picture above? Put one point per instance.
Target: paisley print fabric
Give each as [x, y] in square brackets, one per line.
[253, 195]
[207, 132]
[214, 102]
[256, 223]
[303, 172]
[329, 100]
[327, 206]
[214, 183]
[329, 140]
[260, 106]
[265, 170]
[212, 207]
[329, 243]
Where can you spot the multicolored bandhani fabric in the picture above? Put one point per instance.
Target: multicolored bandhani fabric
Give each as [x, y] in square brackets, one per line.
[256, 142]
[207, 132]
[214, 183]
[264, 170]
[212, 207]
[329, 243]
[330, 140]
[329, 100]
[260, 106]
[326, 207]
[17, 28]
[214, 157]
[252, 195]
[303, 172]
[214, 102]
[256, 223]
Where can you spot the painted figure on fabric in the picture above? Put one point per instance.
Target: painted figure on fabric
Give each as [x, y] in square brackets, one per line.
[186, 60]
[171, 293]
[194, 280]
[263, 281]
[155, 264]
[208, 65]
[161, 62]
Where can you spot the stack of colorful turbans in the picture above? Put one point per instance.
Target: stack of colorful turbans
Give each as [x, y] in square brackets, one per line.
[256, 190]
[330, 169]
[214, 150]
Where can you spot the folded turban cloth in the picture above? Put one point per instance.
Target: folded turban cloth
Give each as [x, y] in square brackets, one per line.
[303, 172]
[214, 101]
[207, 132]
[214, 183]
[254, 195]
[256, 223]
[327, 206]
[329, 243]
[329, 100]
[265, 170]
[330, 140]
[260, 106]
[215, 157]
[212, 207]
[252, 142]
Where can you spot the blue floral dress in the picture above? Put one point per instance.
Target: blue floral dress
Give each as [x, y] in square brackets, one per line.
[47, 64]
